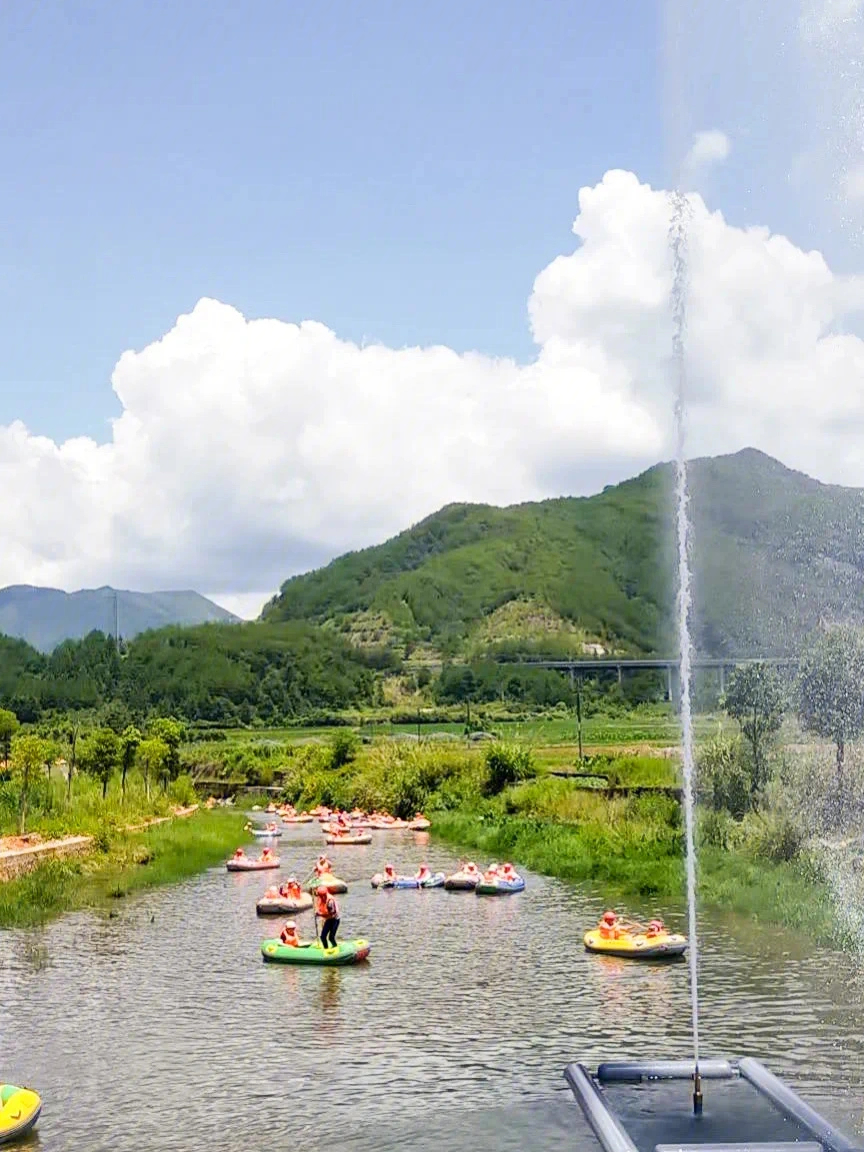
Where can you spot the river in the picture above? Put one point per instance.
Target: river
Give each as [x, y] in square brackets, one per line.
[159, 1027]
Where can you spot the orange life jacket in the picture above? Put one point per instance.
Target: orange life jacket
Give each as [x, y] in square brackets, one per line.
[325, 906]
[289, 938]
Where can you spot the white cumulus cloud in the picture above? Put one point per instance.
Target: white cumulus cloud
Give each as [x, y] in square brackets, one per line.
[708, 148]
[248, 449]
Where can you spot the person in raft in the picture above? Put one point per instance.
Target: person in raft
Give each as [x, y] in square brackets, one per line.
[323, 867]
[491, 874]
[327, 908]
[267, 854]
[389, 872]
[609, 926]
[508, 872]
[291, 889]
[288, 936]
[423, 873]
[239, 854]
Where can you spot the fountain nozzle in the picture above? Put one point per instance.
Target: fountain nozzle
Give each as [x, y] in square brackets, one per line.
[697, 1092]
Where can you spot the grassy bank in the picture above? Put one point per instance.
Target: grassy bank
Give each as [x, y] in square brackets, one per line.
[639, 864]
[123, 863]
[52, 813]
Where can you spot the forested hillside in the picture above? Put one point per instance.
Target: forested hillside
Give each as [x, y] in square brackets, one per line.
[774, 553]
[220, 673]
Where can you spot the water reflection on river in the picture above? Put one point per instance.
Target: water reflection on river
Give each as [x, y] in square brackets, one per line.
[162, 1029]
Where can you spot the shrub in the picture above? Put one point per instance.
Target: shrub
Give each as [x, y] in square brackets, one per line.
[772, 836]
[724, 781]
[507, 764]
[343, 746]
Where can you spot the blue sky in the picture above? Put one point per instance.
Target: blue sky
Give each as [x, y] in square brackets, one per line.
[399, 171]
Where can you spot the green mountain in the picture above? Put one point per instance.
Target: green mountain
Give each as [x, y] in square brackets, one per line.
[774, 553]
[44, 617]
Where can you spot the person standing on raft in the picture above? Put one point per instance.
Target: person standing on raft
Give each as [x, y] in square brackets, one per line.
[327, 908]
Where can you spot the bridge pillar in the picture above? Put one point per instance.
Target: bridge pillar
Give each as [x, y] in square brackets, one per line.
[620, 674]
[722, 679]
[669, 683]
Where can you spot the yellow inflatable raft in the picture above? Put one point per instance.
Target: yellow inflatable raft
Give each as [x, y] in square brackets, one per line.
[19, 1111]
[636, 944]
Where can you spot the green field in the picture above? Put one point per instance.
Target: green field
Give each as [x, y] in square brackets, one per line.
[597, 731]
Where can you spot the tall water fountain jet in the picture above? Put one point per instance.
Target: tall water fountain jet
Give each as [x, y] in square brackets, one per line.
[678, 246]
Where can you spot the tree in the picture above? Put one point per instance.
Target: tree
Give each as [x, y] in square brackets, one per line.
[29, 754]
[755, 699]
[129, 742]
[170, 732]
[151, 756]
[8, 727]
[71, 732]
[101, 756]
[116, 716]
[831, 691]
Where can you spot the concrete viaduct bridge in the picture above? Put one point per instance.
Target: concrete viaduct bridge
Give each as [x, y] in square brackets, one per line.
[671, 666]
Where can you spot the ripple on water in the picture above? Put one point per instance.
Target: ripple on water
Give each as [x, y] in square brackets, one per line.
[162, 1029]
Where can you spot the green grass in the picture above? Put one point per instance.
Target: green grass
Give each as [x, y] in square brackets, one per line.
[51, 816]
[628, 860]
[164, 854]
[654, 727]
[625, 855]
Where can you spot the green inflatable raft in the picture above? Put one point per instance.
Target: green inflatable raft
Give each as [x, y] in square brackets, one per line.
[346, 952]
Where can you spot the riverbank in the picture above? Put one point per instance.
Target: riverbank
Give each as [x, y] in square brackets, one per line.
[121, 863]
[642, 867]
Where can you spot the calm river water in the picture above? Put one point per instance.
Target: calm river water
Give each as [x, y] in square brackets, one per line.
[161, 1028]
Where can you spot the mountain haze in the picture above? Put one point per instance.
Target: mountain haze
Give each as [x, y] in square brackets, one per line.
[775, 553]
[45, 617]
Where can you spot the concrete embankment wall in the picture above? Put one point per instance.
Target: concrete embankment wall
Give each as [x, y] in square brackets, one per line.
[15, 861]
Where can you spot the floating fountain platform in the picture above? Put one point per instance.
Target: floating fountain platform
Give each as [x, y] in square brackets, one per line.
[644, 1106]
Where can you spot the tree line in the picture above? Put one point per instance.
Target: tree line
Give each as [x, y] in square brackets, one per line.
[100, 752]
[224, 674]
[827, 696]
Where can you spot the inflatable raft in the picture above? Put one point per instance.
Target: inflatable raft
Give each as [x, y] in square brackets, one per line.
[266, 833]
[283, 905]
[499, 886]
[462, 881]
[332, 883]
[436, 880]
[303, 819]
[637, 945]
[345, 952]
[250, 864]
[349, 838]
[19, 1111]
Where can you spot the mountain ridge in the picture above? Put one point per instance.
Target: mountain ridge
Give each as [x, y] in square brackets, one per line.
[45, 617]
[775, 554]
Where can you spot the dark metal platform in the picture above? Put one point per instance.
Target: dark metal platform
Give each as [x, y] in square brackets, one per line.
[645, 1106]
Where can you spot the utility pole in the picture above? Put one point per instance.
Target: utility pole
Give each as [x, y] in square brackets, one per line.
[579, 715]
[576, 686]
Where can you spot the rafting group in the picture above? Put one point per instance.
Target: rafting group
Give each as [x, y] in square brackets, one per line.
[290, 898]
[345, 825]
[496, 880]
